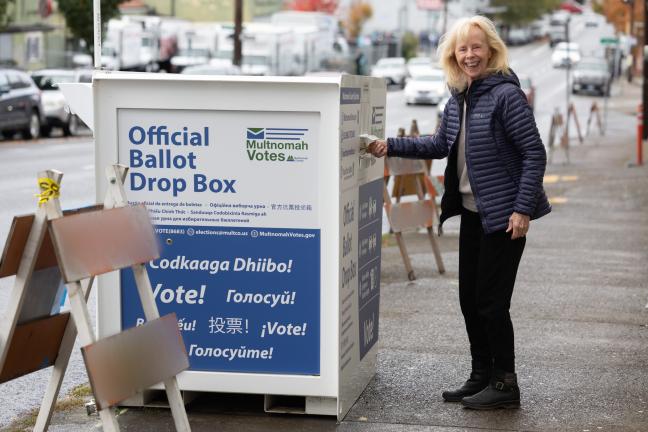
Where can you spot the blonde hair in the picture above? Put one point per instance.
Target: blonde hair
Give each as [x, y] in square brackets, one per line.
[498, 62]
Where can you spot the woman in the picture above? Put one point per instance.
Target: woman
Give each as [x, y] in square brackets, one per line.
[496, 162]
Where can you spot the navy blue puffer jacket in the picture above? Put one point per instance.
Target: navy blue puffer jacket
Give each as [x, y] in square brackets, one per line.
[505, 156]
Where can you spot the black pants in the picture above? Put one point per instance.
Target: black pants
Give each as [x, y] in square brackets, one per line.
[488, 265]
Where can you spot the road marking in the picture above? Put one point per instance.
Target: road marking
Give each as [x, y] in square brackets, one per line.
[552, 178]
[557, 200]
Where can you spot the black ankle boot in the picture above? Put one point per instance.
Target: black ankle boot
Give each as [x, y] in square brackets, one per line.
[478, 380]
[502, 392]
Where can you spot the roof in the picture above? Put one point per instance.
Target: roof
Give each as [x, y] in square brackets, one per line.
[24, 28]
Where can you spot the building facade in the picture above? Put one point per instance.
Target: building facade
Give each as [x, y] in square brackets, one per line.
[405, 15]
[213, 10]
[35, 36]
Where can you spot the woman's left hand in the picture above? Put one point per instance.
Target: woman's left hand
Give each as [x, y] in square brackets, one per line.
[519, 224]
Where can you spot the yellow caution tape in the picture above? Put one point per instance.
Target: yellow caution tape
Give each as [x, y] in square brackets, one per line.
[49, 189]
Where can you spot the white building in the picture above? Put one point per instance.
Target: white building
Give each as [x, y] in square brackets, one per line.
[405, 15]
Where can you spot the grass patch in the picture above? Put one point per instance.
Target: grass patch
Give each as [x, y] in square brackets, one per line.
[23, 424]
[75, 398]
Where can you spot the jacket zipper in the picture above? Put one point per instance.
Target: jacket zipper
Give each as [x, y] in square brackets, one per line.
[468, 167]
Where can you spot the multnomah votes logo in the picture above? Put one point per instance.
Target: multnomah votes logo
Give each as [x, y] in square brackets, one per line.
[276, 144]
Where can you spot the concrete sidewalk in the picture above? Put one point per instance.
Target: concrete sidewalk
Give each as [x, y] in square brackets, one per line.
[578, 311]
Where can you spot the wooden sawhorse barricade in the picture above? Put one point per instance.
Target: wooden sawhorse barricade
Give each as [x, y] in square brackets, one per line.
[78, 246]
[558, 131]
[594, 113]
[414, 214]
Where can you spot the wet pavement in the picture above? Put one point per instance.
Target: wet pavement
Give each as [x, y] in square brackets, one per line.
[581, 326]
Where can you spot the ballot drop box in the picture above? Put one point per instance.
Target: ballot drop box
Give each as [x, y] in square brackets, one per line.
[268, 211]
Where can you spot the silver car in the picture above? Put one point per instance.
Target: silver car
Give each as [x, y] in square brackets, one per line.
[391, 69]
[56, 110]
[591, 74]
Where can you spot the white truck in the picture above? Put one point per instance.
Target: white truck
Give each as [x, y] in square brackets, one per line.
[558, 27]
[267, 49]
[197, 44]
[122, 46]
[160, 39]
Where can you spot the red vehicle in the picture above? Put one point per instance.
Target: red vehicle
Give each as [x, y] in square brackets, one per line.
[571, 6]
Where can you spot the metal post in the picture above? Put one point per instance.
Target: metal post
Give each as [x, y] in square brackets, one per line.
[96, 12]
[445, 16]
[238, 30]
[568, 89]
[640, 133]
[630, 31]
[605, 106]
[402, 17]
[645, 73]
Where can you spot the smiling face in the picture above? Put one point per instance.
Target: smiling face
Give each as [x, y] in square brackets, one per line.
[472, 54]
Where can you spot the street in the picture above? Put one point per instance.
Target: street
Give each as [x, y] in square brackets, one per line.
[532, 60]
[20, 161]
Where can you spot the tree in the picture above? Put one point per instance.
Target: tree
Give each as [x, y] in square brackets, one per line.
[409, 46]
[78, 16]
[328, 6]
[521, 12]
[618, 13]
[4, 16]
[359, 13]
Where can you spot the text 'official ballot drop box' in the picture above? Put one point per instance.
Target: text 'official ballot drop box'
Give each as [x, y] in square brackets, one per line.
[269, 215]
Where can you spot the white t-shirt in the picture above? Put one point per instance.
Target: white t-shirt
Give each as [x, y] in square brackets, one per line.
[467, 197]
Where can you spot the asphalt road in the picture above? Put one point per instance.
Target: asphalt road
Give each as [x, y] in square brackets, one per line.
[21, 160]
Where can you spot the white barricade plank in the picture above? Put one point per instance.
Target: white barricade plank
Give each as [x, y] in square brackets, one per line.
[411, 215]
[121, 365]
[93, 243]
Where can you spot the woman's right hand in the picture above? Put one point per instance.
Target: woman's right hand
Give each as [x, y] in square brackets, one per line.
[377, 148]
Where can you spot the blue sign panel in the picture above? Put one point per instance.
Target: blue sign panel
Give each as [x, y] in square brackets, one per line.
[369, 238]
[247, 299]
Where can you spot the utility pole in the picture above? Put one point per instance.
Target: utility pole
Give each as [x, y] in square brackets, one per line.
[238, 30]
[630, 31]
[645, 71]
[173, 8]
[567, 86]
[445, 16]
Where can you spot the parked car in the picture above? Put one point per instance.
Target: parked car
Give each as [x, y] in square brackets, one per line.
[419, 66]
[566, 54]
[519, 36]
[428, 89]
[56, 110]
[392, 69]
[20, 105]
[558, 27]
[528, 88]
[592, 20]
[592, 74]
[214, 67]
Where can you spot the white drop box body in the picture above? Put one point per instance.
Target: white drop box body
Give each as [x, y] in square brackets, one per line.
[269, 215]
